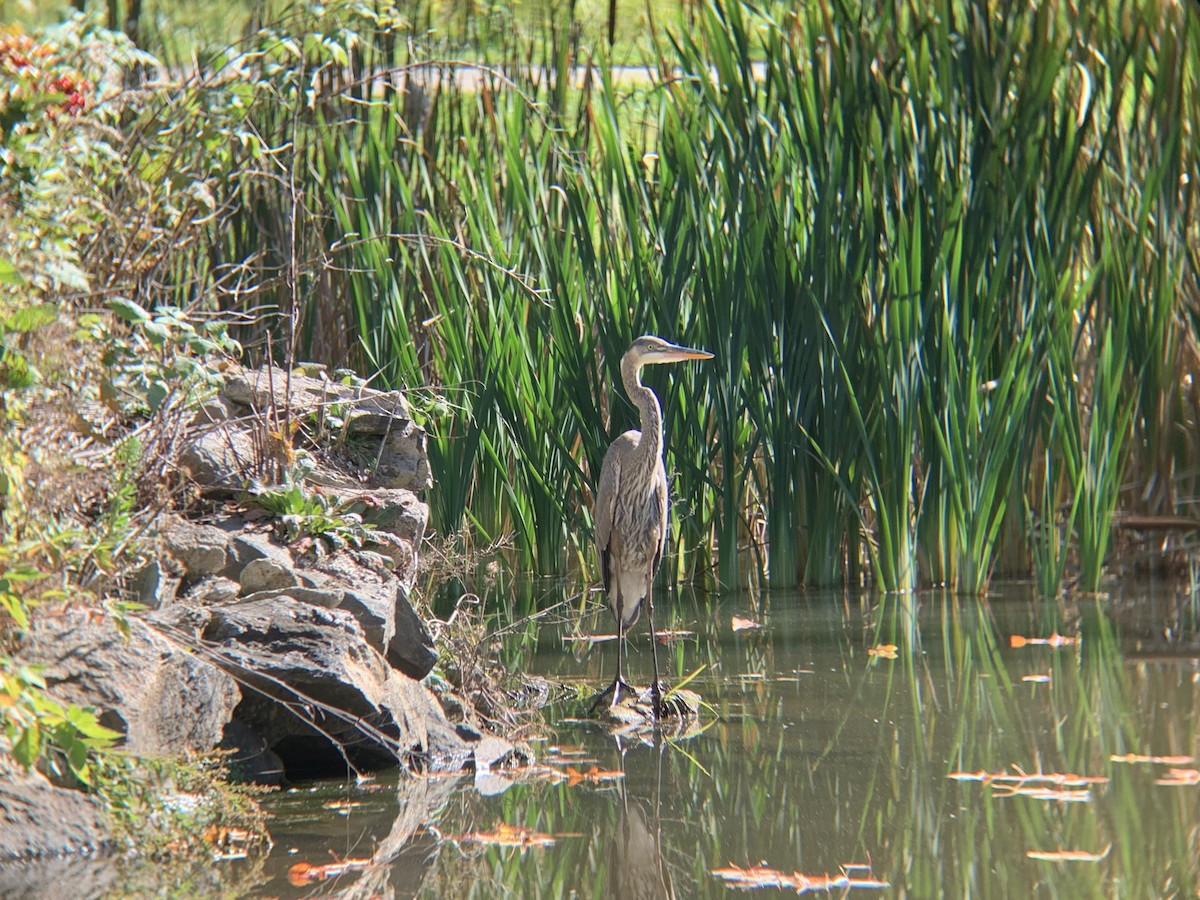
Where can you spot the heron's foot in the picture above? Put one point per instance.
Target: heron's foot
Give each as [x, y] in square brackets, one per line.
[615, 689]
[658, 692]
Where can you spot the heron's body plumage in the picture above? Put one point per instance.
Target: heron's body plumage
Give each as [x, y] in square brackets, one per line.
[632, 542]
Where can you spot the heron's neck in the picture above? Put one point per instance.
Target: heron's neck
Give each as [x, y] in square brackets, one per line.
[650, 445]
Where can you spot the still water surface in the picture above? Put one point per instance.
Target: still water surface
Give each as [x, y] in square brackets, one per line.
[815, 755]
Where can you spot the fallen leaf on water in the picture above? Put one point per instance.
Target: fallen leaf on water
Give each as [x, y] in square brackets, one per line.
[221, 836]
[764, 877]
[342, 806]
[507, 835]
[1020, 776]
[535, 773]
[1068, 855]
[1036, 792]
[1178, 777]
[665, 637]
[594, 775]
[567, 750]
[883, 651]
[1037, 679]
[306, 873]
[1055, 640]
[1164, 760]
[740, 624]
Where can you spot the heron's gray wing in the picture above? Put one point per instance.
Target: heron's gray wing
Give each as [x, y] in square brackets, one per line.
[606, 504]
[662, 506]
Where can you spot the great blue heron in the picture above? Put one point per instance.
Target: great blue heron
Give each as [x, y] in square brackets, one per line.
[631, 504]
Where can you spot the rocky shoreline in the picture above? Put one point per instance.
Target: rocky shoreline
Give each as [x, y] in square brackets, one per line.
[291, 645]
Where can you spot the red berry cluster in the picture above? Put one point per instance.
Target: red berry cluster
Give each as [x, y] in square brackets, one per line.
[29, 70]
[76, 101]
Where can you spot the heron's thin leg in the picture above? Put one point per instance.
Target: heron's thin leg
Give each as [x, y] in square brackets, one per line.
[620, 679]
[655, 690]
[618, 682]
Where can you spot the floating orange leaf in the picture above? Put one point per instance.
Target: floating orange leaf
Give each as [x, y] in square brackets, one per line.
[883, 651]
[764, 877]
[1180, 777]
[507, 835]
[594, 775]
[1058, 786]
[1055, 640]
[1164, 760]
[306, 873]
[1020, 776]
[740, 624]
[221, 836]
[228, 843]
[1068, 855]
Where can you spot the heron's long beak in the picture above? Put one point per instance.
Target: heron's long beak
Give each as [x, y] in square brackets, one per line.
[675, 353]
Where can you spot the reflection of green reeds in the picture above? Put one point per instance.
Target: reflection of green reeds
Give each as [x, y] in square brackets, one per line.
[822, 754]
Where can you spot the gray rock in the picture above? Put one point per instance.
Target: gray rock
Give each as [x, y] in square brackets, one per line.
[327, 599]
[266, 575]
[403, 460]
[378, 600]
[71, 876]
[394, 510]
[199, 548]
[318, 681]
[214, 409]
[216, 589]
[226, 450]
[39, 819]
[165, 699]
[369, 594]
[364, 410]
[221, 456]
[155, 585]
[411, 648]
[248, 546]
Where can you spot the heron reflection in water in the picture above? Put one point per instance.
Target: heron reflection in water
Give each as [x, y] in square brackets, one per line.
[637, 867]
[631, 506]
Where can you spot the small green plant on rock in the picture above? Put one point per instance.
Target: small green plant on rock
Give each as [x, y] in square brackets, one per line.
[41, 731]
[304, 512]
[164, 360]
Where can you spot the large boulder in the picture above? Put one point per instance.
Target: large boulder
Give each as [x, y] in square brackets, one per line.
[164, 698]
[318, 692]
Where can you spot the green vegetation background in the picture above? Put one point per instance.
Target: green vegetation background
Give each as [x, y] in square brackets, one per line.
[945, 255]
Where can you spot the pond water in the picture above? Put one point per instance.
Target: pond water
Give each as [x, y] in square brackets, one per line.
[935, 768]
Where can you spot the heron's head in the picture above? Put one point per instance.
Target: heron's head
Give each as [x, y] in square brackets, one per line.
[649, 350]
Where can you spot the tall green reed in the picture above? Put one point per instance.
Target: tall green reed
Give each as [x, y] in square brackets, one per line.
[907, 232]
